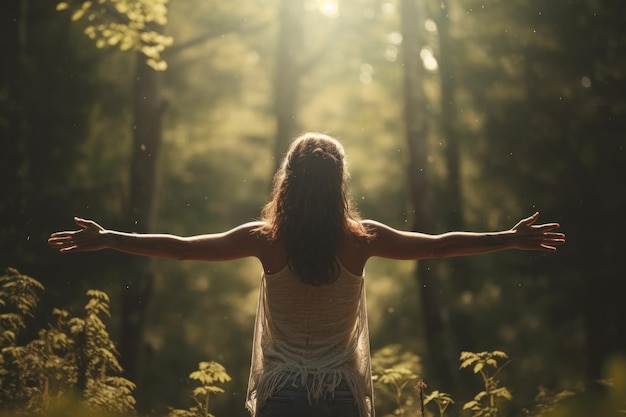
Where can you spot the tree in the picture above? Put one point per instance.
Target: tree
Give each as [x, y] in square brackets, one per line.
[287, 74]
[415, 125]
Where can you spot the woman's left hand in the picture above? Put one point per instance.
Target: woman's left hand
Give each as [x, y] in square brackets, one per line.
[531, 236]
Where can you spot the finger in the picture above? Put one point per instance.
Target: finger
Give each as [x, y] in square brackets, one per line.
[82, 222]
[555, 235]
[57, 241]
[68, 249]
[61, 234]
[547, 226]
[530, 220]
[548, 248]
[61, 237]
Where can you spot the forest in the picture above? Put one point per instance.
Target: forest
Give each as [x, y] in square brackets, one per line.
[171, 116]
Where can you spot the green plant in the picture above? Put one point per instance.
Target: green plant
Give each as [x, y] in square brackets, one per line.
[441, 399]
[546, 401]
[18, 301]
[393, 370]
[72, 364]
[207, 375]
[487, 403]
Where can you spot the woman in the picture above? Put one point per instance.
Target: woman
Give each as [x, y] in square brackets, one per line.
[311, 349]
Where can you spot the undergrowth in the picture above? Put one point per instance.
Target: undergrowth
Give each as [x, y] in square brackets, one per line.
[71, 368]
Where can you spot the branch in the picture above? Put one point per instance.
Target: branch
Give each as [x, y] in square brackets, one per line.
[213, 32]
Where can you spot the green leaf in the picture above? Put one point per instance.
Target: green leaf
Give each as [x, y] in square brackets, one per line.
[77, 15]
[478, 367]
[467, 362]
[214, 390]
[500, 354]
[469, 405]
[503, 393]
[9, 335]
[157, 65]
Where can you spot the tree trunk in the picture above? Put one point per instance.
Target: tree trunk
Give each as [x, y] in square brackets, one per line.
[437, 368]
[11, 128]
[287, 75]
[137, 290]
[460, 276]
[452, 197]
[454, 214]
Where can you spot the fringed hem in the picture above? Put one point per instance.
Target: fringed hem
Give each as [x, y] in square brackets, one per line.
[317, 384]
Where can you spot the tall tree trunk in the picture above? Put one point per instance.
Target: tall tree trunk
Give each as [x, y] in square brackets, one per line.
[460, 275]
[454, 213]
[287, 74]
[420, 194]
[11, 133]
[137, 290]
[452, 196]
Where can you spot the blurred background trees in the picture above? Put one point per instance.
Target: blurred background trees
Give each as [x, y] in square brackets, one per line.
[515, 107]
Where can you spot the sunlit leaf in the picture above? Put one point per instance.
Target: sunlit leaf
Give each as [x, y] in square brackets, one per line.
[9, 335]
[113, 40]
[62, 6]
[157, 65]
[478, 367]
[127, 43]
[503, 393]
[150, 51]
[500, 354]
[214, 390]
[468, 362]
[469, 405]
[77, 14]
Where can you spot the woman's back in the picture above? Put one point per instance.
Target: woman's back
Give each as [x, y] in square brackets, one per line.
[312, 336]
[312, 321]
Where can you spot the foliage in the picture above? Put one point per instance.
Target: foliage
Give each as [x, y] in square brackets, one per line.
[392, 375]
[207, 375]
[74, 357]
[441, 399]
[393, 370]
[18, 300]
[546, 401]
[127, 24]
[540, 113]
[487, 403]
[605, 398]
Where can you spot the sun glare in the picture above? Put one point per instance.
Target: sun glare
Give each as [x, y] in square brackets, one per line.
[329, 8]
[428, 59]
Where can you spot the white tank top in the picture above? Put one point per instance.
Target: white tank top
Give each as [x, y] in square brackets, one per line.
[315, 336]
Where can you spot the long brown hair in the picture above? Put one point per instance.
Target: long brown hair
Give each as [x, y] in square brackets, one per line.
[310, 209]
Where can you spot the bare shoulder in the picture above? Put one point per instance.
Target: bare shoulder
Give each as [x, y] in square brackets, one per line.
[254, 228]
[356, 247]
[270, 252]
[377, 229]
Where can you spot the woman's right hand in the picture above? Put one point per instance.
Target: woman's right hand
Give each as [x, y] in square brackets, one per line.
[90, 237]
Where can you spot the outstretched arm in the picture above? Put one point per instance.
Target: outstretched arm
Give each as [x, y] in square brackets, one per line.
[239, 242]
[525, 235]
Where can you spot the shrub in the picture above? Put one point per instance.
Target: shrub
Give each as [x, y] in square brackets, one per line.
[73, 360]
